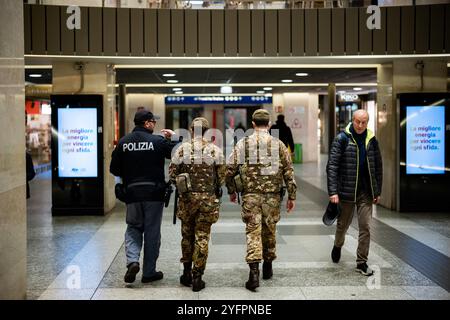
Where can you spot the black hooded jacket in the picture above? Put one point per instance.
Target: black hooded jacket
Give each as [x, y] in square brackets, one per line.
[343, 169]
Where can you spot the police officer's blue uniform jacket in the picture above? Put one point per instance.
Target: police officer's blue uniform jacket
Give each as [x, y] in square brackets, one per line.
[138, 158]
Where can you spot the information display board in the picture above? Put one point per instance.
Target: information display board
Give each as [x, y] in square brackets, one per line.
[424, 157]
[425, 140]
[77, 143]
[77, 154]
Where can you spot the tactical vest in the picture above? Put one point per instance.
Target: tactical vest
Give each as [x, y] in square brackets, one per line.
[257, 173]
[202, 176]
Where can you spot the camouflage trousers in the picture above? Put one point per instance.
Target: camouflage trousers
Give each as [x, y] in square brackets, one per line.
[261, 212]
[197, 212]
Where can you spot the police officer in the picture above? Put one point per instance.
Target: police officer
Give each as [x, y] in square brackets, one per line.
[139, 160]
[262, 163]
[200, 166]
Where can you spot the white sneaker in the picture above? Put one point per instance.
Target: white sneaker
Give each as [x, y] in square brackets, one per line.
[364, 269]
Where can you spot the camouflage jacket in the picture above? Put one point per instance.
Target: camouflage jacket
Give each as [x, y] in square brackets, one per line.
[204, 162]
[263, 162]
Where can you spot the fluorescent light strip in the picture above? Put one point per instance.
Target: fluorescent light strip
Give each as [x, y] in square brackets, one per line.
[245, 66]
[160, 85]
[213, 94]
[39, 67]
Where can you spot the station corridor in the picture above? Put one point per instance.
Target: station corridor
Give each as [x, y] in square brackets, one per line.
[83, 257]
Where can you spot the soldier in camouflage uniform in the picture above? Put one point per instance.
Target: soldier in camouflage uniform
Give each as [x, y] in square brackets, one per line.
[263, 162]
[199, 208]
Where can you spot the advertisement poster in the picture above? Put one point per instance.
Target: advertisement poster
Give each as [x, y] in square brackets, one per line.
[77, 143]
[425, 140]
[295, 119]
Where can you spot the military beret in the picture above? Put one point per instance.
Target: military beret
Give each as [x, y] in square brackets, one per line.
[261, 114]
[200, 121]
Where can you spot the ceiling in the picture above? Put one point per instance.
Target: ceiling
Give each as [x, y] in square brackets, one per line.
[201, 80]
[261, 77]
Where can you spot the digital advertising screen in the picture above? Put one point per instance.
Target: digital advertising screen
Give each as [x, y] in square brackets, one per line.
[425, 139]
[77, 143]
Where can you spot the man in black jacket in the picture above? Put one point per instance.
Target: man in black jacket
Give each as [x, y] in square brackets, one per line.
[139, 160]
[284, 132]
[354, 177]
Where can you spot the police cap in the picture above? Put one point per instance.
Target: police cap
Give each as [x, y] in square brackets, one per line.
[144, 115]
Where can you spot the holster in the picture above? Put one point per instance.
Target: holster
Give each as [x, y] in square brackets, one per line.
[218, 192]
[282, 193]
[120, 192]
[167, 194]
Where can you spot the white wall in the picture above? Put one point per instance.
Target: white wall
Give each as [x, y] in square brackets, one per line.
[151, 102]
[301, 114]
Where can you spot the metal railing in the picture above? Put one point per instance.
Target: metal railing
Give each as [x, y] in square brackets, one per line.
[234, 4]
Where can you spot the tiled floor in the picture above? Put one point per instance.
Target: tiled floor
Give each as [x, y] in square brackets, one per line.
[84, 258]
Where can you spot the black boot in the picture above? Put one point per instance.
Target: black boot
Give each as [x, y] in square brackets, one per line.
[253, 276]
[186, 278]
[197, 283]
[267, 270]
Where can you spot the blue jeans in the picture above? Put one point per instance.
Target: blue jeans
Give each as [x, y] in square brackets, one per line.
[144, 224]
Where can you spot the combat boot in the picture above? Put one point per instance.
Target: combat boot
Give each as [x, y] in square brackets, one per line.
[267, 270]
[186, 278]
[253, 276]
[197, 283]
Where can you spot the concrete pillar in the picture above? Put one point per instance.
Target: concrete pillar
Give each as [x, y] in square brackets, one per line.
[403, 75]
[331, 111]
[152, 102]
[386, 135]
[324, 120]
[99, 78]
[159, 108]
[13, 229]
[407, 78]
[122, 109]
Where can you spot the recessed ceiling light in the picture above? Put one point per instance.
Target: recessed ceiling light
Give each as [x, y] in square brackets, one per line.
[35, 75]
[286, 80]
[267, 88]
[169, 75]
[260, 92]
[172, 81]
[178, 92]
[176, 89]
[226, 89]
[302, 74]
[357, 89]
